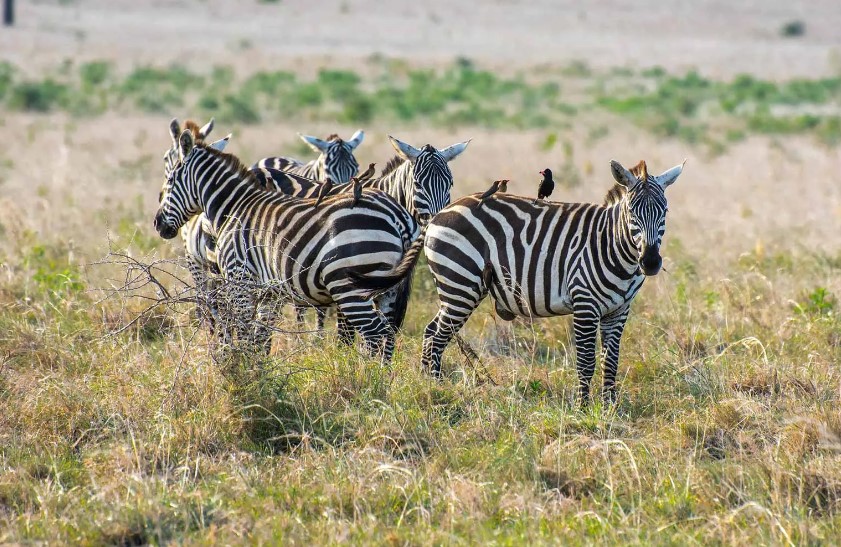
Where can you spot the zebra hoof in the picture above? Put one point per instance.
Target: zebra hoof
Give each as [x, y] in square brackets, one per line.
[609, 396]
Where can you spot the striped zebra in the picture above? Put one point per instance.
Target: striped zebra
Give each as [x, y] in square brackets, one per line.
[199, 242]
[419, 179]
[335, 159]
[284, 244]
[541, 260]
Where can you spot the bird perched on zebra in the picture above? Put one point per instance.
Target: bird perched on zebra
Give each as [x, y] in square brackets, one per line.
[324, 191]
[497, 186]
[369, 173]
[282, 244]
[358, 181]
[584, 259]
[335, 159]
[547, 185]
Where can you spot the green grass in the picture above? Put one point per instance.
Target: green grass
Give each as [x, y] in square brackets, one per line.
[727, 429]
[699, 110]
[690, 107]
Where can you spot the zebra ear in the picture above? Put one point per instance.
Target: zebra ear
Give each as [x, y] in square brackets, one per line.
[221, 143]
[174, 130]
[206, 129]
[622, 175]
[315, 143]
[668, 177]
[405, 151]
[186, 142]
[356, 139]
[451, 152]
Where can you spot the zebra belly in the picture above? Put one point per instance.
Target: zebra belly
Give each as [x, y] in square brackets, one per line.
[509, 300]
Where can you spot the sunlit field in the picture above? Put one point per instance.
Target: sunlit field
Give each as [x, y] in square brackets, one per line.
[120, 424]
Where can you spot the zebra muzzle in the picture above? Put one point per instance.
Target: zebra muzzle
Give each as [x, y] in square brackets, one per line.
[165, 230]
[650, 260]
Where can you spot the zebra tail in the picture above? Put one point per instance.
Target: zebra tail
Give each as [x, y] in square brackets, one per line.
[378, 284]
[401, 303]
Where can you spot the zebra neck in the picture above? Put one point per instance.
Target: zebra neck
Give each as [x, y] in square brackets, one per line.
[399, 184]
[313, 169]
[623, 249]
[221, 194]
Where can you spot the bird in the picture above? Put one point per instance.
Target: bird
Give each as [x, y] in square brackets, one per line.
[357, 190]
[546, 185]
[325, 190]
[368, 172]
[496, 186]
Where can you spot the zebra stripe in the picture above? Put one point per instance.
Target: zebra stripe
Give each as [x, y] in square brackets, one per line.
[543, 260]
[419, 179]
[300, 252]
[335, 159]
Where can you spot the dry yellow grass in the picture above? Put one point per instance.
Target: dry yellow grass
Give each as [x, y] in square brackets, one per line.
[728, 428]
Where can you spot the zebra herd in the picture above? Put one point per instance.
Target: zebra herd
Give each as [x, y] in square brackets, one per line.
[260, 231]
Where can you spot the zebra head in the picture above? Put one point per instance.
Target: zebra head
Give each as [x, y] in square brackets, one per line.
[647, 207]
[171, 156]
[433, 179]
[335, 160]
[178, 201]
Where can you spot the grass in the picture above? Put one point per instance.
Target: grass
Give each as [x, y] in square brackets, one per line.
[703, 111]
[690, 107]
[727, 430]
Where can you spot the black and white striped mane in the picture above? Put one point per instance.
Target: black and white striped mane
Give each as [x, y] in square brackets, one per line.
[233, 163]
[392, 165]
[614, 195]
[617, 192]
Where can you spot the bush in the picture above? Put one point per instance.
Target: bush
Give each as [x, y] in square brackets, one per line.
[793, 29]
[38, 96]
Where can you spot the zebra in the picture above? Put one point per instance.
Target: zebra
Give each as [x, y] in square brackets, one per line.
[335, 159]
[284, 243]
[419, 179]
[198, 242]
[541, 260]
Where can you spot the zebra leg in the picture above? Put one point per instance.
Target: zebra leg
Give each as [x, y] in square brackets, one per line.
[201, 282]
[264, 326]
[321, 314]
[612, 327]
[438, 334]
[370, 323]
[585, 323]
[346, 332]
[387, 305]
[300, 314]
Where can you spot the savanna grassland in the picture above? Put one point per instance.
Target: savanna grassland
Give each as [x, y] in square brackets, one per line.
[118, 426]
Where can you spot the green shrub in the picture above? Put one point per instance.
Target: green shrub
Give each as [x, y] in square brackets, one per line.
[38, 96]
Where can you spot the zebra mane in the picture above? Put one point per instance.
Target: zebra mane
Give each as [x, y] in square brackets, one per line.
[392, 165]
[333, 137]
[614, 195]
[195, 129]
[617, 192]
[233, 163]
